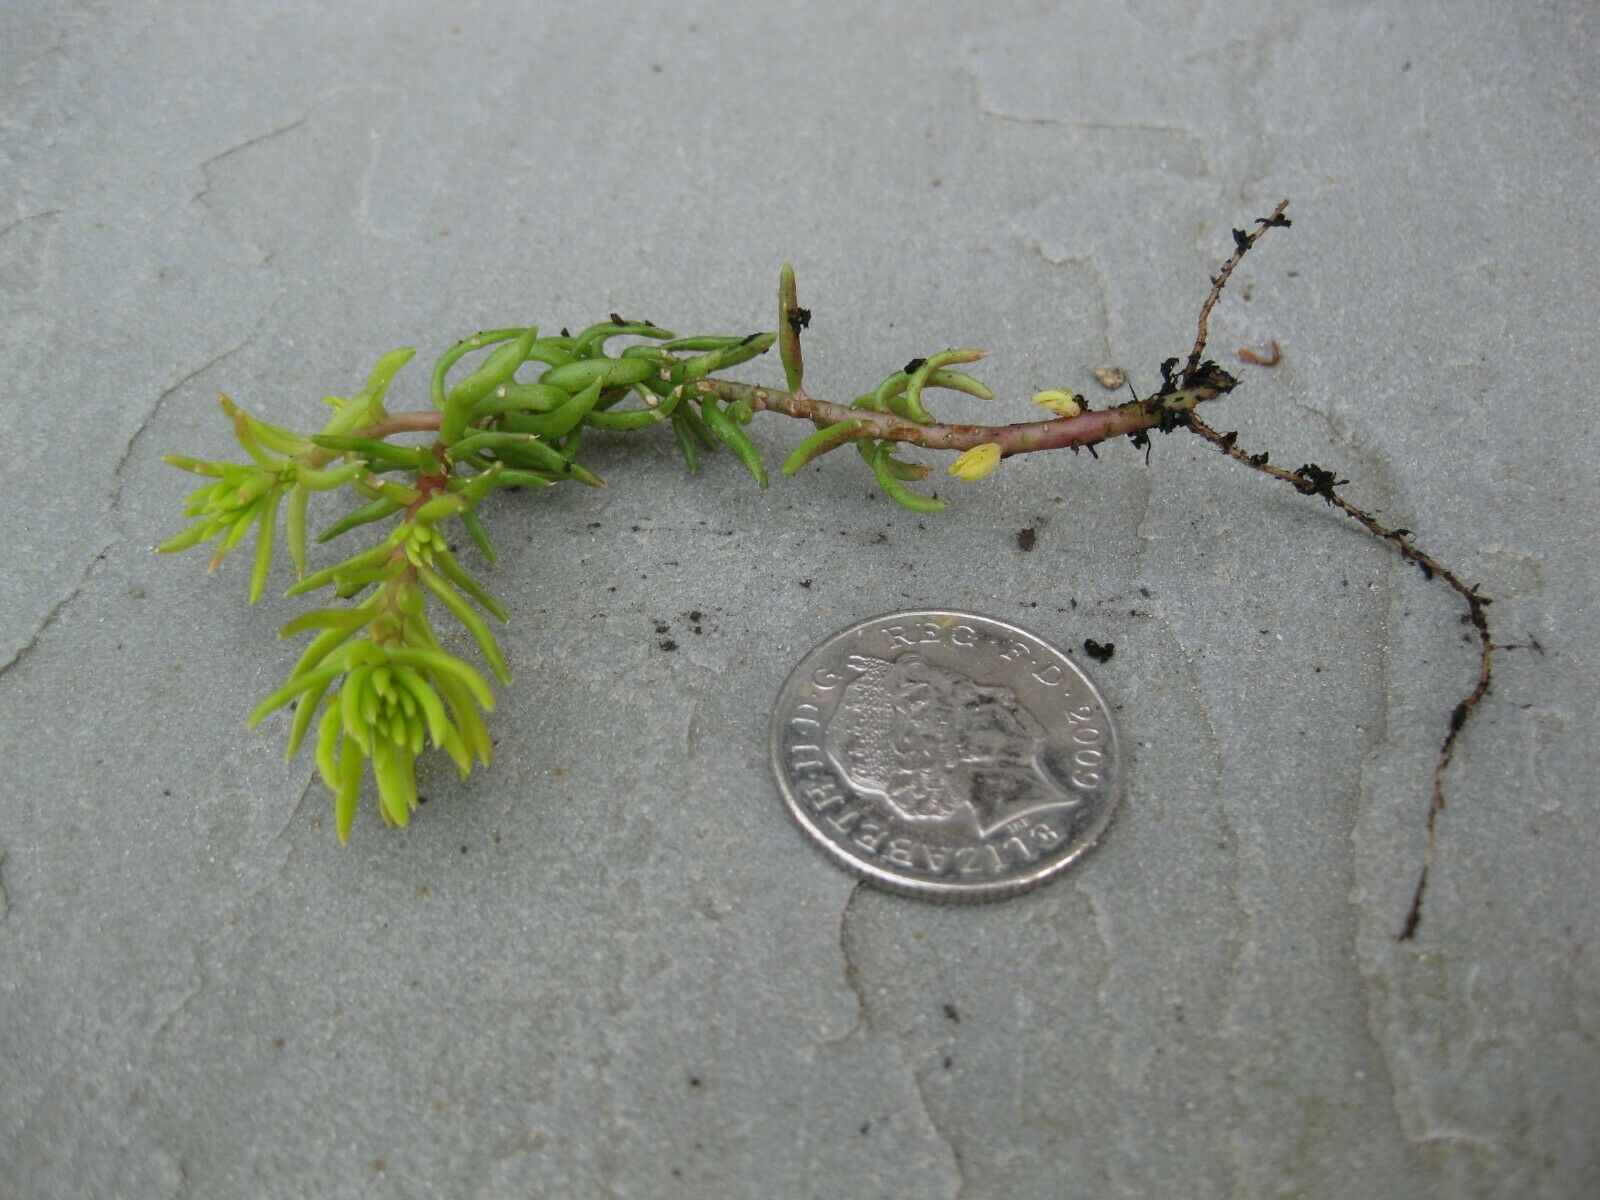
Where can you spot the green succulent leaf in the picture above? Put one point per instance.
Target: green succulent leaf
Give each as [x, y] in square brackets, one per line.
[460, 350]
[474, 623]
[371, 450]
[593, 339]
[558, 421]
[268, 522]
[294, 527]
[384, 372]
[910, 401]
[735, 439]
[534, 454]
[791, 320]
[828, 438]
[684, 436]
[457, 574]
[520, 397]
[498, 368]
[574, 377]
[691, 369]
[471, 522]
[375, 510]
[897, 491]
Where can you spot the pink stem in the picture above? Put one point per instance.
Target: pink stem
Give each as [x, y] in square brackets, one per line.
[1086, 429]
[403, 422]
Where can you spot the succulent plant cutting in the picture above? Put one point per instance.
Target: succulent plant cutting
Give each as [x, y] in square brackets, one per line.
[510, 408]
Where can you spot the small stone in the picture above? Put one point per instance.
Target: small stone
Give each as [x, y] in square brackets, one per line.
[1110, 378]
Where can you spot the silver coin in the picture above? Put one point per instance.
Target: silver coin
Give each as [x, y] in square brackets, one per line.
[946, 755]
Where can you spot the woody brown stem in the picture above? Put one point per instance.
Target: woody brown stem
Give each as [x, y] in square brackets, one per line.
[1086, 429]
[1243, 240]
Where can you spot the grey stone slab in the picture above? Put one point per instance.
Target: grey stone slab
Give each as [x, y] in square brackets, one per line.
[608, 965]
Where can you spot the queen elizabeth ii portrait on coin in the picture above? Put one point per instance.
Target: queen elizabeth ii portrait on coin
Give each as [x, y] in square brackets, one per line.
[939, 751]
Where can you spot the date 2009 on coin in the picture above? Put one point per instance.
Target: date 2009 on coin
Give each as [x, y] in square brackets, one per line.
[946, 755]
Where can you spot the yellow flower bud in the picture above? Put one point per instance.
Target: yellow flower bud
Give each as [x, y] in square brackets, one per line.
[974, 464]
[1063, 404]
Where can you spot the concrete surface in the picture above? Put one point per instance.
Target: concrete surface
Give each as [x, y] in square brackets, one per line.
[608, 966]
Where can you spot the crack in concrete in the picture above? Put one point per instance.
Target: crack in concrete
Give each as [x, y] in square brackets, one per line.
[56, 609]
[1369, 980]
[1099, 126]
[21, 221]
[204, 165]
[66, 599]
[1100, 920]
[1369, 976]
[957, 1164]
[311, 781]
[1376, 986]
[1102, 286]
[986, 109]
[173, 1013]
[155, 409]
[1180, 142]
[272, 879]
[851, 971]
[61, 605]
[863, 1024]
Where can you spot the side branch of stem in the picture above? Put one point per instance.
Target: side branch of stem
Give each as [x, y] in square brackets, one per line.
[1307, 482]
